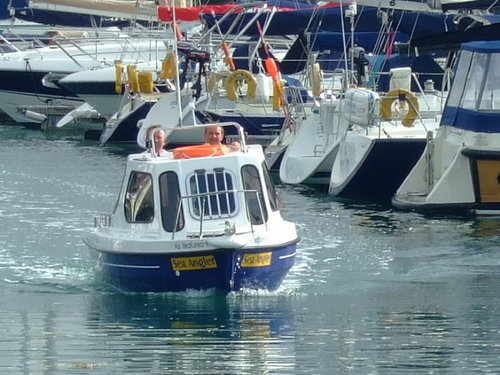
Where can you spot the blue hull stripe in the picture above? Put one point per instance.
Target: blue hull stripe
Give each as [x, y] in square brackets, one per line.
[483, 122]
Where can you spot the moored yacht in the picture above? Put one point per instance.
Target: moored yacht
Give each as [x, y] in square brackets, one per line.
[196, 217]
[31, 78]
[385, 137]
[459, 171]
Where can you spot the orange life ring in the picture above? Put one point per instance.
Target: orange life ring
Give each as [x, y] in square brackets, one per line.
[198, 151]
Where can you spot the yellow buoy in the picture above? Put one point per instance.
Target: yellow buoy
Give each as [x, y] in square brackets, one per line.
[133, 78]
[169, 66]
[119, 70]
[146, 84]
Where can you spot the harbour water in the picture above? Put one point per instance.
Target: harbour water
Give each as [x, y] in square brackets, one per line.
[373, 290]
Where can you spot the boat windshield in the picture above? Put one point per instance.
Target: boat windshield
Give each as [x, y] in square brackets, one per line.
[213, 191]
[253, 194]
[170, 199]
[139, 203]
[490, 96]
[475, 86]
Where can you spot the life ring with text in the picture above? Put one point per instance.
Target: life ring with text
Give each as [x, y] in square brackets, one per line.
[198, 151]
[234, 79]
[400, 94]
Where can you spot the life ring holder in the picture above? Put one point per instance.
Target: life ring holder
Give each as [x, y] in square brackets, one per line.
[316, 79]
[400, 94]
[119, 72]
[232, 80]
[278, 95]
[198, 151]
[213, 81]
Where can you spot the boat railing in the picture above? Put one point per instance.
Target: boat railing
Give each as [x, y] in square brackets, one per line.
[217, 206]
[9, 43]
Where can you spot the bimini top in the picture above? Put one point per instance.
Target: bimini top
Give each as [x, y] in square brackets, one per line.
[474, 100]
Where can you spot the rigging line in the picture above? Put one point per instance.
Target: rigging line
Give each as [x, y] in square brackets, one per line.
[315, 33]
[492, 5]
[380, 39]
[386, 54]
[359, 16]
[414, 25]
[344, 45]
[314, 12]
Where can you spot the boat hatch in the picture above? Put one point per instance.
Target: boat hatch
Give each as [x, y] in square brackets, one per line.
[485, 166]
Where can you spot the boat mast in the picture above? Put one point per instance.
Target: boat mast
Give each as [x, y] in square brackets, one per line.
[177, 80]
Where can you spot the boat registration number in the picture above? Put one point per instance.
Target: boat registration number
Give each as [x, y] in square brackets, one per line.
[193, 263]
[256, 260]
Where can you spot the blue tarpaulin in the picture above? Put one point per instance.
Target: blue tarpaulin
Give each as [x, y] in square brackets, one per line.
[295, 22]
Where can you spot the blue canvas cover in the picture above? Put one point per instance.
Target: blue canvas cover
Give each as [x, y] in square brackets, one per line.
[334, 41]
[329, 19]
[4, 4]
[423, 66]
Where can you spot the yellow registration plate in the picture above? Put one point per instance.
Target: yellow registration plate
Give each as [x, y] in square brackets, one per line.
[203, 262]
[256, 260]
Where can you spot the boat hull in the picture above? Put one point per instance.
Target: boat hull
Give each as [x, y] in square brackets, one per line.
[380, 171]
[224, 270]
[469, 186]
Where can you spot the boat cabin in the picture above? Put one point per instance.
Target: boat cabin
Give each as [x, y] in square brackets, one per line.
[196, 217]
[474, 100]
[197, 191]
[459, 170]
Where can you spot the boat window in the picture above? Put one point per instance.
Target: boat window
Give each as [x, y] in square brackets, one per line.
[253, 194]
[170, 199]
[490, 99]
[474, 82]
[271, 191]
[213, 191]
[459, 79]
[139, 203]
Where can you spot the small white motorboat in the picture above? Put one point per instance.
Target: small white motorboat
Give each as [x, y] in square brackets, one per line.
[459, 170]
[197, 217]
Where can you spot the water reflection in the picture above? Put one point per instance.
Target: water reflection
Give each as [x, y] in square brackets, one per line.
[193, 332]
[484, 228]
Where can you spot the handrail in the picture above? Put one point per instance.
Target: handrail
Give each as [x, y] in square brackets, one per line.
[204, 197]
